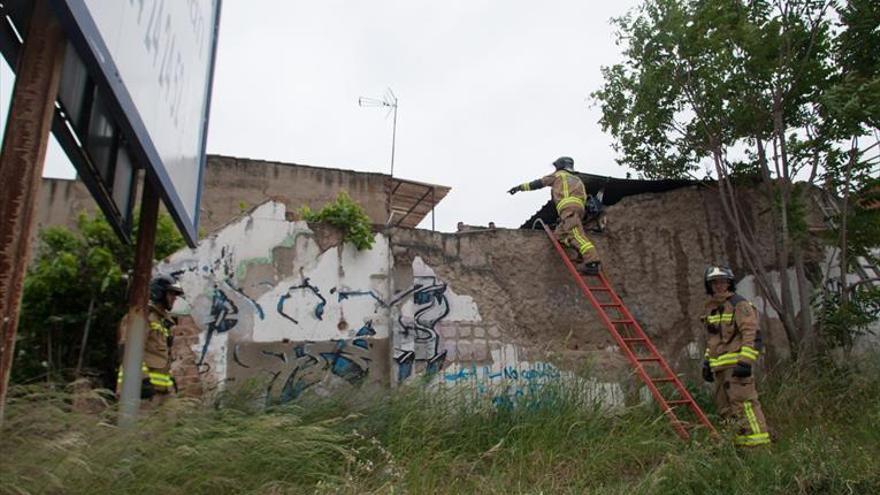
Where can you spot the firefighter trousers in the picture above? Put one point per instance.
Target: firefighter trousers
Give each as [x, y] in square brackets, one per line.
[736, 400]
[570, 232]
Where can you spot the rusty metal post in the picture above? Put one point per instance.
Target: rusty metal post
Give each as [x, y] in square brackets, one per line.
[134, 326]
[21, 167]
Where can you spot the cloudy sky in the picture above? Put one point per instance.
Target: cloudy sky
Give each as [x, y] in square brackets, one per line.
[490, 92]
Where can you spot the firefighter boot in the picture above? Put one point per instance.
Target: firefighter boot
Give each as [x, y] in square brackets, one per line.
[590, 268]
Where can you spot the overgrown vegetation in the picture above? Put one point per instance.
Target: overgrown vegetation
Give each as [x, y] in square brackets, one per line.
[346, 214]
[420, 442]
[75, 293]
[776, 92]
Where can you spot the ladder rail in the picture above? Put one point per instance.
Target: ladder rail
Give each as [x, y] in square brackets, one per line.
[628, 352]
[682, 390]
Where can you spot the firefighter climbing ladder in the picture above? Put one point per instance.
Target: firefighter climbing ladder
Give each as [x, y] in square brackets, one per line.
[667, 390]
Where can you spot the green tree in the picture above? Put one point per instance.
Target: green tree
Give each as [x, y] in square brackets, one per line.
[75, 293]
[741, 88]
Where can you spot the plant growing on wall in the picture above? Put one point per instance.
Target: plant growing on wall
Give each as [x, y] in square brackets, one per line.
[346, 214]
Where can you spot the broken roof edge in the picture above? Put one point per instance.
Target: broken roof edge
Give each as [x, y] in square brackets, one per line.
[615, 189]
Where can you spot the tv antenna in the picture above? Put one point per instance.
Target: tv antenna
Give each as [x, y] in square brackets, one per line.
[389, 101]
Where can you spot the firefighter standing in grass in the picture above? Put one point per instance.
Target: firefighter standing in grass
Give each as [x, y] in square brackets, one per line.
[732, 347]
[158, 383]
[569, 196]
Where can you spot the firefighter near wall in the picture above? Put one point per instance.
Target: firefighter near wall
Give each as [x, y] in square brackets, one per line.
[733, 344]
[157, 382]
[570, 197]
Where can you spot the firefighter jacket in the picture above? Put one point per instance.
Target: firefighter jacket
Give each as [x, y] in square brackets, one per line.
[732, 331]
[567, 190]
[157, 349]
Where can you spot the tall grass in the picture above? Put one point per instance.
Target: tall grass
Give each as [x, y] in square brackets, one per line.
[418, 441]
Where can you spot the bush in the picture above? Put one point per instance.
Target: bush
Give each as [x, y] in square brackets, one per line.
[348, 216]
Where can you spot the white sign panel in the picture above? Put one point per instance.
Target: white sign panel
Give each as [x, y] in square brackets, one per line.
[162, 51]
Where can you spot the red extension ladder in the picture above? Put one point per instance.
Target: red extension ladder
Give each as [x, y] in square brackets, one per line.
[665, 387]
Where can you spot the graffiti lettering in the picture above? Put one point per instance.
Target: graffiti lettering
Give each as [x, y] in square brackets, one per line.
[224, 316]
[306, 285]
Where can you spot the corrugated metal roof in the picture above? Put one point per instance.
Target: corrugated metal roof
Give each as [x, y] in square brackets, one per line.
[411, 201]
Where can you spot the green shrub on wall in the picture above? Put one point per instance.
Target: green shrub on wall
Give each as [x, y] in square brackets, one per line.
[347, 215]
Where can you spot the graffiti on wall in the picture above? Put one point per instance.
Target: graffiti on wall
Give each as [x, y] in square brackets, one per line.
[418, 340]
[297, 367]
[507, 384]
[306, 286]
[274, 307]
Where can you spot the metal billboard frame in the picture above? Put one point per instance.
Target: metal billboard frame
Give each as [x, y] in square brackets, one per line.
[82, 32]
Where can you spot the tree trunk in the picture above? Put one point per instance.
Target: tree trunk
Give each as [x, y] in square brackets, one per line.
[85, 338]
[753, 260]
[844, 210]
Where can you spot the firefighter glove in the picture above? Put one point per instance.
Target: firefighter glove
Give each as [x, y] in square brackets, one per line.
[513, 190]
[742, 370]
[707, 372]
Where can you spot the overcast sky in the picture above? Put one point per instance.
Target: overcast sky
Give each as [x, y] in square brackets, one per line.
[490, 92]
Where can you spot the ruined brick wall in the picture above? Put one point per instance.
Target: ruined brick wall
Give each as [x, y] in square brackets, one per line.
[231, 187]
[288, 306]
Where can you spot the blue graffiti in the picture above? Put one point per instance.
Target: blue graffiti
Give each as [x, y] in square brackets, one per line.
[343, 295]
[306, 285]
[405, 362]
[311, 361]
[255, 304]
[224, 316]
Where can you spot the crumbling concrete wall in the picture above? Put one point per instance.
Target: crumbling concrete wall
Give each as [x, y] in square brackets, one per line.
[291, 307]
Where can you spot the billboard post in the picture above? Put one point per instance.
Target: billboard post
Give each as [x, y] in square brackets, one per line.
[134, 325]
[21, 166]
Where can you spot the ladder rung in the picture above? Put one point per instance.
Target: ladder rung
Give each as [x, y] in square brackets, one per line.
[609, 305]
[622, 322]
[663, 380]
[634, 339]
[647, 359]
[599, 288]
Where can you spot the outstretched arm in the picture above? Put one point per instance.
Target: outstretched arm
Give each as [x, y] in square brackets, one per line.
[531, 186]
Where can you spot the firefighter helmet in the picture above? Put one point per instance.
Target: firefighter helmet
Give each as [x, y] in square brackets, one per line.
[716, 272]
[162, 285]
[564, 163]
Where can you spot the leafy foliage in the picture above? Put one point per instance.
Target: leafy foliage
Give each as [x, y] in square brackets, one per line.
[346, 214]
[73, 271]
[773, 91]
[844, 321]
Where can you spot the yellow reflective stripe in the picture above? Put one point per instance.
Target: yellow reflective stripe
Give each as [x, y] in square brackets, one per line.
[161, 379]
[562, 174]
[571, 200]
[752, 440]
[722, 318]
[749, 352]
[158, 327]
[146, 371]
[750, 415]
[583, 244]
[713, 363]
[525, 186]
